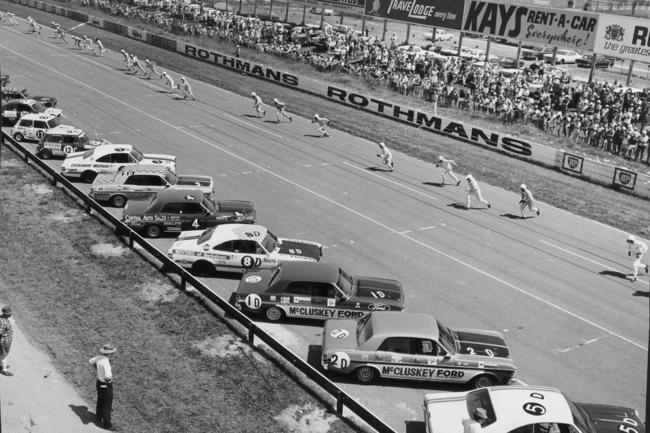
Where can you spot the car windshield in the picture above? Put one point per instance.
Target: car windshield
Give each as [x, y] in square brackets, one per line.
[447, 338]
[345, 283]
[364, 329]
[581, 418]
[136, 154]
[54, 122]
[274, 274]
[83, 140]
[39, 107]
[171, 178]
[87, 154]
[270, 241]
[206, 235]
[209, 205]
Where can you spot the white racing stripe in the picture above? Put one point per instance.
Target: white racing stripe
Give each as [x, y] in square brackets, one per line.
[335, 203]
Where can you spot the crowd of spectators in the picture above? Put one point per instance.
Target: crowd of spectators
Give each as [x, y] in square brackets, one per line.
[606, 116]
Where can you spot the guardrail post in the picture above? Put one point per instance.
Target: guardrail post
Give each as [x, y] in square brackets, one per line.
[183, 282]
[87, 206]
[339, 403]
[251, 334]
[53, 181]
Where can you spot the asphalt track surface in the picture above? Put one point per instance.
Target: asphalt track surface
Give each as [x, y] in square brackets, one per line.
[550, 283]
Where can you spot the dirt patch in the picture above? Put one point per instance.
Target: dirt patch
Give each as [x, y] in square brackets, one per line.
[158, 291]
[108, 250]
[10, 163]
[38, 189]
[221, 346]
[306, 418]
[67, 216]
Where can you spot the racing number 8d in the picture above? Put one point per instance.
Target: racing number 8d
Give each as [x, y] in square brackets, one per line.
[250, 262]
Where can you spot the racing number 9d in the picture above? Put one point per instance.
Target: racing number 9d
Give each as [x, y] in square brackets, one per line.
[250, 262]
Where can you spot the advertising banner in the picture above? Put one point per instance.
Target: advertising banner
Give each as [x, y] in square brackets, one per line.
[624, 178]
[572, 163]
[356, 6]
[446, 14]
[623, 37]
[532, 24]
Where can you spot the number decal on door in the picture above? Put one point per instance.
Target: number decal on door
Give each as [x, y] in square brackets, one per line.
[340, 360]
[196, 224]
[250, 262]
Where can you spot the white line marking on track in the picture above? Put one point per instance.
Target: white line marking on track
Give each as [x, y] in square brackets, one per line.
[252, 125]
[583, 257]
[427, 228]
[584, 343]
[519, 382]
[392, 181]
[334, 202]
[405, 232]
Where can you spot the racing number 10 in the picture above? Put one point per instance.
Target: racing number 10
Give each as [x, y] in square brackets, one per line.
[250, 262]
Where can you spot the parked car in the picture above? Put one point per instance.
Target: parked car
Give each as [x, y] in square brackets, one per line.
[63, 140]
[526, 409]
[601, 61]
[535, 53]
[441, 35]
[33, 126]
[315, 291]
[13, 110]
[10, 93]
[563, 57]
[507, 62]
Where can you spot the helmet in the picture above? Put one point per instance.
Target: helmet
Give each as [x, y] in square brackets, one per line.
[382, 144]
[182, 78]
[522, 186]
[469, 177]
[631, 238]
[275, 100]
[253, 94]
[315, 116]
[440, 158]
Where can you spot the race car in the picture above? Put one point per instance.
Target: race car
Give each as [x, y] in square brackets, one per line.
[415, 346]
[173, 210]
[33, 126]
[11, 93]
[64, 140]
[15, 109]
[315, 291]
[526, 409]
[109, 158]
[142, 182]
[238, 247]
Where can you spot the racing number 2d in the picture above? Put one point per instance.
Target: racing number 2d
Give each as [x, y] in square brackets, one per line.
[340, 360]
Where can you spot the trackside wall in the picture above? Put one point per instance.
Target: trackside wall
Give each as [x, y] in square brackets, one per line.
[518, 147]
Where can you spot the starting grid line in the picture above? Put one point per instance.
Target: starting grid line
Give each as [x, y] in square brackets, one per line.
[333, 202]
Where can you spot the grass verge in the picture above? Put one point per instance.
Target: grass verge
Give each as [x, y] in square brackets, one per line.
[74, 286]
[600, 203]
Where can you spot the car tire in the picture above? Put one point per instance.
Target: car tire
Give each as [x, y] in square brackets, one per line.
[274, 314]
[88, 176]
[202, 269]
[483, 381]
[118, 200]
[45, 154]
[67, 149]
[153, 231]
[365, 374]
[18, 137]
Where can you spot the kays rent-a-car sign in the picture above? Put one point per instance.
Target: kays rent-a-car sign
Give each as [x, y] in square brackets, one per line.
[623, 37]
[447, 14]
[531, 24]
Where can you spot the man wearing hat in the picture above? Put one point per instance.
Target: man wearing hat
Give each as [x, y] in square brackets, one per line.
[6, 337]
[474, 425]
[636, 249]
[104, 386]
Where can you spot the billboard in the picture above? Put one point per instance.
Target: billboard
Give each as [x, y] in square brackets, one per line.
[446, 14]
[355, 6]
[623, 37]
[531, 24]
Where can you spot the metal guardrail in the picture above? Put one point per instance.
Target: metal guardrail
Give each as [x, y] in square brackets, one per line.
[343, 399]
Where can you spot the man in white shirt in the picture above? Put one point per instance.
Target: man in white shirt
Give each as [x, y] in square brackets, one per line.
[104, 386]
[636, 249]
[447, 164]
[527, 201]
[475, 190]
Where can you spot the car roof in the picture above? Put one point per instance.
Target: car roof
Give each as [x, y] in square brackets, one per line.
[23, 101]
[309, 271]
[103, 149]
[186, 195]
[64, 130]
[144, 169]
[38, 116]
[228, 232]
[393, 323]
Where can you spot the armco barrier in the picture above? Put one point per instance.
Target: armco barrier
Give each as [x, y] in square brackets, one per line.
[342, 398]
[518, 147]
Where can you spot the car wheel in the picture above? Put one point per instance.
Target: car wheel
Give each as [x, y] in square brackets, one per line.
[483, 381]
[18, 136]
[153, 231]
[118, 200]
[45, 154]
[88, 176]
[274, 314]
[67, 149]
[366, 374]
[202, 269]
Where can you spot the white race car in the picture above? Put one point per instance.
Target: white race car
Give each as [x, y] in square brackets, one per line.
[109, 158]
[237, 247]
[524, 409]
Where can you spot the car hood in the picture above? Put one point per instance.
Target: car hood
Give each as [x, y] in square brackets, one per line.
[299, 248]
[104, 180]
[54, 111]
[608, 419]
[49, 101]
[340, 334]
[155, 158]
[135, 208]
[204, 182]
[254, 281]
[236, 211]
[73, 158]
[482, 343]
[379, 289]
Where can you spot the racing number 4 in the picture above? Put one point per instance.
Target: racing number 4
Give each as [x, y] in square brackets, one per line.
[196, 224]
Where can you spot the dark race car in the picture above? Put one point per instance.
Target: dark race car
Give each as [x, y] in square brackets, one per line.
[10, 93]
[315, 291]
[175, 210]
[13, 110]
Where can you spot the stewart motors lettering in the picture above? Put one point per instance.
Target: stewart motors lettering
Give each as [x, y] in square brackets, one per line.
[415, 347]
[238, 247]
[315, 291]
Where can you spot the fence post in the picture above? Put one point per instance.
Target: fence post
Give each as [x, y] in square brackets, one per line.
[251, 334]
[183, 282]
[88, 207]
[339, 403]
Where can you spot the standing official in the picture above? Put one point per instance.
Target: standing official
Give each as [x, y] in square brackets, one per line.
[104, 386]
[526, 201]
[636, 249]
[6, 338]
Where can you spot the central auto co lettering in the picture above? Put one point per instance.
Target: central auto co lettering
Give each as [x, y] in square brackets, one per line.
[243, 66]
[436, 124]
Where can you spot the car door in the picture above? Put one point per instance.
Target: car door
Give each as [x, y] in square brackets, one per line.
[154, 183]
[323, 294]
[247, 253]
[195, 217]
[38, 131]
[25, 127]
[395, 350]
[427, 352]
[172, 214]
[134, 186]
